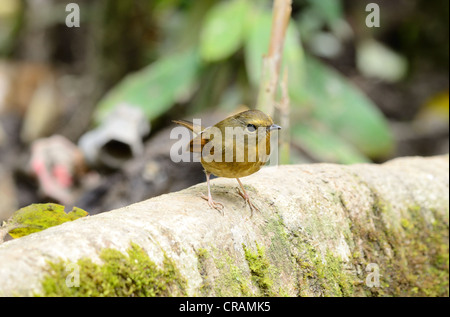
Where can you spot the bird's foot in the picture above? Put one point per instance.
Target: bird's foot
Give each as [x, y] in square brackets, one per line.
[247, 200]
[213, 204]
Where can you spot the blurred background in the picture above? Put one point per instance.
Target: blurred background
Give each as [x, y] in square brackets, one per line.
[85, 112]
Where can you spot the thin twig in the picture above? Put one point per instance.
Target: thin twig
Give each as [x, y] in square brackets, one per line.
[272, 61]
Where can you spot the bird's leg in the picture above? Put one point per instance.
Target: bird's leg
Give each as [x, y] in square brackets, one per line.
[211, 202]
[246, 197]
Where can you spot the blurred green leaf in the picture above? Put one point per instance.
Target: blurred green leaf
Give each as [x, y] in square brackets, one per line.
[223, 30]
[330, 10]
[257, 45]
[293, 57]
[332, 100]
[375, 60]
[309, 22]
[38, 217]
[355, 128]
[155, 88]
[324, 145]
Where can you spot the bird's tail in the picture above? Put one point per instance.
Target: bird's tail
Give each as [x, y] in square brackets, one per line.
[197, 143]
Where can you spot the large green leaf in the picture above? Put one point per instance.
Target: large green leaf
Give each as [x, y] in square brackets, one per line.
[257, 45]
[331, 99]
[223, 30]
[155, 88]
[330, 10]
[325, 145]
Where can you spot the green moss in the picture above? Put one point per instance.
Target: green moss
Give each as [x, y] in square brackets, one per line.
[425, 266]
[279, 239]
[232, 280]
[322, 275]
[203, 255]
[134, 274]
[341, 281]
[221, 275]
[38, 217]
[260, 269]
[412, 254]
[405, 223]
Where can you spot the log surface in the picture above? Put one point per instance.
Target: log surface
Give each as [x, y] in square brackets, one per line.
[318, 228]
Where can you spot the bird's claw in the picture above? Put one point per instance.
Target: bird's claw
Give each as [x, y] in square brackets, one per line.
[247, 200]
[213, 204]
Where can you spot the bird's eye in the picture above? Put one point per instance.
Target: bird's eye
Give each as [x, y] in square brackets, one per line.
[251, 127]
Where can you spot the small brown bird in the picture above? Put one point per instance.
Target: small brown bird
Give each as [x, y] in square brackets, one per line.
[235, 147]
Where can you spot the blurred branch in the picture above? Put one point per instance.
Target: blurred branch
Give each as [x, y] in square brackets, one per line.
[272, 61]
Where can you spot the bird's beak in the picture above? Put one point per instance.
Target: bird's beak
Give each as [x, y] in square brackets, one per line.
[274, 127]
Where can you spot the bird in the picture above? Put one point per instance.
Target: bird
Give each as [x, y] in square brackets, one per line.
[233, 148]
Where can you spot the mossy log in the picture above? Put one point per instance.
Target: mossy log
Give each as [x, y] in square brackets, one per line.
[322, 230]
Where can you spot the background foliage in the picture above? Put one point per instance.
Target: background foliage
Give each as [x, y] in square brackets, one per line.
[357, 94]
[334, 121]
